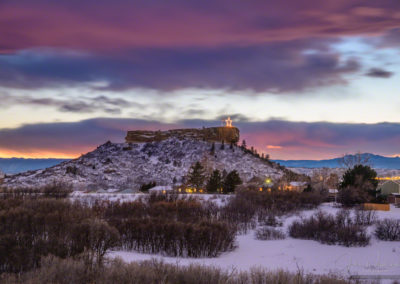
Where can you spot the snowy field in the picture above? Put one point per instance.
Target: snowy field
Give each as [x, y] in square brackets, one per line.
[378, 258]
[90, 198]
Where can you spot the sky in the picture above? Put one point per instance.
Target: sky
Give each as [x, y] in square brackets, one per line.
[300, 79]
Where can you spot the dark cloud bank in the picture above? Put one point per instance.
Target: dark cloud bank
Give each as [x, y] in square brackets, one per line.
[379, 73]
[297, 139]
[259, 68]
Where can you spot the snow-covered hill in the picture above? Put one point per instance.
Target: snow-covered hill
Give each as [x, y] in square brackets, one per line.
[114, 167]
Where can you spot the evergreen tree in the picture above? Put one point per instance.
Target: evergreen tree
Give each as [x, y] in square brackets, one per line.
[359, 174]
[212, 150]
[358, 186]
[145, 187]
[214, 182]
[231, 181]
[196, 176]
[158, 136]
[244, 146]
[308, 188]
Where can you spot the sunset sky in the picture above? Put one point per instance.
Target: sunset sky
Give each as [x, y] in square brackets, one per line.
[301, 79]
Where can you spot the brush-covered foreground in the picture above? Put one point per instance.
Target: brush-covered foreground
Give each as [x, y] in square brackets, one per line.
[218, 231]
[70, 271]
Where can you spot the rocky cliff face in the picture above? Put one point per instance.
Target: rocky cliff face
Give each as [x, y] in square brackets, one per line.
[210, 134]
[114, 167]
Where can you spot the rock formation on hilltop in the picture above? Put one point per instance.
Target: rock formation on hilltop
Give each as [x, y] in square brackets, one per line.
[123, 166]
[211, 134]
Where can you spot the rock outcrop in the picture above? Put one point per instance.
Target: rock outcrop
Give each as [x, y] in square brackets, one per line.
[210, 134]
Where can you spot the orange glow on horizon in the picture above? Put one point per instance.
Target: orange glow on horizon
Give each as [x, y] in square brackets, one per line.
[38, 155]
[274, 147]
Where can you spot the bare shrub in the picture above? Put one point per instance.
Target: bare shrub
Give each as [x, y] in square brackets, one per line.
[247, 206]
[281, 202]
[169, 197]
[170, 225]
[388, 230]
[57, 190]
[266, 233]
[57, 270]
[175, 238]
[32, 228]
[268, 218]
[97, 237]
[365, 217]
[329, 229]
[240, 212]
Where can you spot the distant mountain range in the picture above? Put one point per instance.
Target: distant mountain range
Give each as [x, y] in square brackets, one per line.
[19, 165]
[376, 161]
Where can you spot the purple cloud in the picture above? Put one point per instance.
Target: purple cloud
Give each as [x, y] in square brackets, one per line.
[259, 68]
[293, 140]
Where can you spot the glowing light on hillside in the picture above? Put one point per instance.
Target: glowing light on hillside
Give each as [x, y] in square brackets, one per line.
[228, 122]
[388, 178]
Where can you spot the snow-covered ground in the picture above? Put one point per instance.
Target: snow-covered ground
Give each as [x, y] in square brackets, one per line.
[90, 198]
[378, 258]
[113, 197]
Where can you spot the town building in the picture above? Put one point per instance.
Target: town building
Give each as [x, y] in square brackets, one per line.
[161, 189]
[388, 187]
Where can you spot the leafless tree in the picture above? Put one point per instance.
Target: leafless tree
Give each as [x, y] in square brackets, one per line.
[324, 179]
[349, 161]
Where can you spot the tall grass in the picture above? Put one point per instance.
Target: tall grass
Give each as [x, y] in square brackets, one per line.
[69, 271]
